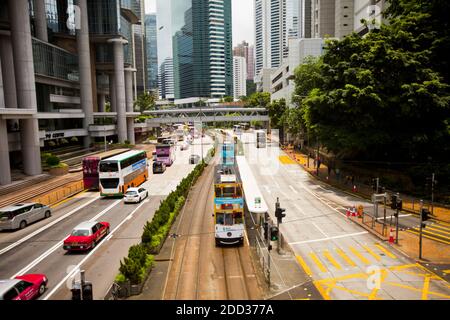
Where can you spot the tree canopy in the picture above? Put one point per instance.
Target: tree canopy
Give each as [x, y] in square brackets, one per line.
[145, 101]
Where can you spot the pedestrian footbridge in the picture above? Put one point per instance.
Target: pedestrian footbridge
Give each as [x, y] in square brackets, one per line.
[223, 114]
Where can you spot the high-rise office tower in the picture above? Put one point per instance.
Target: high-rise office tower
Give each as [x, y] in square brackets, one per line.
[202, 48]
[248, 52]
[151, 51]
[166, 86]
[322, 18]
[239, 77]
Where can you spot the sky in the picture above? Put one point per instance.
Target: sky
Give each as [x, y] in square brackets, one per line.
[242, 20]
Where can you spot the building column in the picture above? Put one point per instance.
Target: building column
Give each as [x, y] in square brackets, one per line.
[2, 95]
[5, 171]
[84, 65]
[25, 84]
[119, 81]
[7, 61]
[112, 93]
[129, 101]
[101, 102]
[40, 20]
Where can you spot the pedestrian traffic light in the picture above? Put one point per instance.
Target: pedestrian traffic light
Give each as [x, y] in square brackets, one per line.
[87, 291]
[425, 214]
[394, 202]
[76, 292]
[274, 233]
[399, 204]
[279, 214]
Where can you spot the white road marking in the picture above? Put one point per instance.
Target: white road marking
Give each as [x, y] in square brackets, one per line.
[320, 230]
[77, 267]
[330, 238]
[300, 209]
[57, 245]
[267, 188]
[293, 189]
[15, 244]
[388, 217]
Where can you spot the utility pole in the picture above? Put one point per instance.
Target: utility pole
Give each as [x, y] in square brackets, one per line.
[269, 247]
[420, 234]
[384, 213]
[396, 218]
[432, 194]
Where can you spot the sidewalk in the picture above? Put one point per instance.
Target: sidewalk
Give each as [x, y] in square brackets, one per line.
[410, 205]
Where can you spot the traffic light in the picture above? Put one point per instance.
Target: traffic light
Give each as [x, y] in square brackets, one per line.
[76, 292]
[394, 202]
[274, 233]
[399, 204]
[87, 291]
[279, 214]
[266, 229]
[425, 214]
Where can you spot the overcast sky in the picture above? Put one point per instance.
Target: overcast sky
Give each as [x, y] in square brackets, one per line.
[243, 19]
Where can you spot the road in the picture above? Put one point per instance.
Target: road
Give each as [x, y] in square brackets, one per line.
[343, 260]
[42, 252]
[200, 270]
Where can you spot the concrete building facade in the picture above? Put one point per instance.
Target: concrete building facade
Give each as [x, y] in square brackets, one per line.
[239, 77]
[58, 71]
[248, 52]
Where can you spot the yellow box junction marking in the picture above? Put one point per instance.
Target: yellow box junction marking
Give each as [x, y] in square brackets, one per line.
[304, 265]
[346, 258]
[330, 258]
[317, 262]
[359, 255]
[286, 160]
[386, 251]
[372, 253]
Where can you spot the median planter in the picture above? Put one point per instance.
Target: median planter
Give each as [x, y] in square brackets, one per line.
[59, 171]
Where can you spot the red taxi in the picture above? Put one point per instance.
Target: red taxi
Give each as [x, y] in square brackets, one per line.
[86, 235]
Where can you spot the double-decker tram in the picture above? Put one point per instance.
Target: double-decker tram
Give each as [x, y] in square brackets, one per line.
[228, 206]
[228, 153]
[121, 172]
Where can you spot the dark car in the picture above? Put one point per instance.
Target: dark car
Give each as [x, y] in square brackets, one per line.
[159, 167]
[194, 158]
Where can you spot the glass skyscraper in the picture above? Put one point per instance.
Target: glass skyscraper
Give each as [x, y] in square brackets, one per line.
[152, 51]
[202, 48]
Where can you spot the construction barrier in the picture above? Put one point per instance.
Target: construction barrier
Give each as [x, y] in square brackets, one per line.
[61, 193]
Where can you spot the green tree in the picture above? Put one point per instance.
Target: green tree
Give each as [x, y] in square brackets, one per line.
[276, 110]
[259, 99]
[145, 101]
[228, 99]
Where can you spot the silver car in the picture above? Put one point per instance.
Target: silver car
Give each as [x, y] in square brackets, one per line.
[18, 216]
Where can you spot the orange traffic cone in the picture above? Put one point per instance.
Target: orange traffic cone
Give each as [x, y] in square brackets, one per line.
[348, 212]
[354, 188]
[391, 236]
[353, 211]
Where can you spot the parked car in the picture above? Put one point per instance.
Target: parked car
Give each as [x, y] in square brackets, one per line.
[86, 235]
[25, 287]
[194, 158]
[135, 195]
[159, 167]
[19, 215]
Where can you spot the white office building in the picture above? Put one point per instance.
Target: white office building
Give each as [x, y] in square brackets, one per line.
[239, 77]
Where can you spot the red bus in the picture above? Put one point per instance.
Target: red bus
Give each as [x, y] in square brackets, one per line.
[90, 167]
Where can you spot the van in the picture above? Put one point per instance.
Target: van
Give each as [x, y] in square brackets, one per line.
[18, 216]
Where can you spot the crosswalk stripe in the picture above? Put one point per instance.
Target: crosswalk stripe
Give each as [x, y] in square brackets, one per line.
[427, 236]
[427, 230]
[373, 254]
[317, 262]
[359, 255]
[304, 265]
[432, 227]
[440, 226]
[386, 251]
[330, 258]
[346, 258]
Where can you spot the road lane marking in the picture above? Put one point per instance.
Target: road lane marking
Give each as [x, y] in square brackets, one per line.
[330, 258]
[345, 257]
[304, 265]
[72, 273]
[372, 253]
[427, 236]
[426, 287]
[15, 244]
[428, 228]
[320, 230]
[293, 189]
[329, 238]
[439, 226]
[386, 251]
[57, 245]
[388, 217]
[286, 160]
[317, 262]
[69, 198]
[267, 188]
[359, 255]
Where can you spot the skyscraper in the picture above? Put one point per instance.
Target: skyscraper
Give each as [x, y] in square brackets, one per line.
[239, 77]
[166, 87]
[322, 18]
[151, 51]
[245, 50]
[202, 48]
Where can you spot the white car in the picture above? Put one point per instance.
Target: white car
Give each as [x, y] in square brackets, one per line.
[135, 195]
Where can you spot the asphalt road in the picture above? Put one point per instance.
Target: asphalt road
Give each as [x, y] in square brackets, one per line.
[343, 260]
[42, 252]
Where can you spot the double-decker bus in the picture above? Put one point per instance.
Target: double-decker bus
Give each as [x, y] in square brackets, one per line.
[228, 207]
[260, 137]
[165, 152]
[228, 153]
[121, 172]
[90, 167]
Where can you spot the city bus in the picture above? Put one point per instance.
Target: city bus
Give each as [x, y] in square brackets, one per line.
[260, 137]
[228, 153]
[228, 207]
[121, 172]
[90, 167]
[165, 152]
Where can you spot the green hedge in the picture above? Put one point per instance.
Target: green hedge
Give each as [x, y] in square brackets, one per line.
[134, 267]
